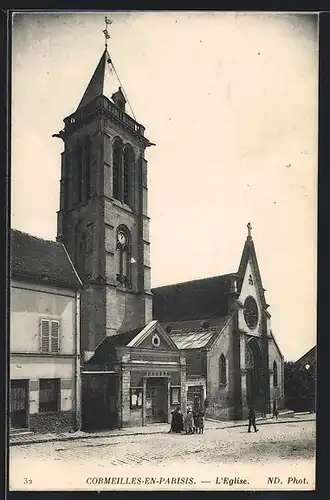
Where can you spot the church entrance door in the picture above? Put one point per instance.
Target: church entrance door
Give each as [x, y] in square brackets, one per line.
[254, 380]
[156, 400]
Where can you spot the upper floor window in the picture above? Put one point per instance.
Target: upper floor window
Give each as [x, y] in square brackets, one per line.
[275, 374]
[123, 257]
[66, 180]
[87, 168]
[117, 169]
[128, 174]
[123, 172]
[222, 371]
[49, 335]
[79, 171]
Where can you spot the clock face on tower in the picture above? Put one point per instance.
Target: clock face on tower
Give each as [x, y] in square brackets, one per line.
[122, 238]
[251, 313]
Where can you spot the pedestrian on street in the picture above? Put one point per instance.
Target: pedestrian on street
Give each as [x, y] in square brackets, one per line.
[177, 421]
[275, 410]
[200, 422]
[189, 421]
[252, 420]
[195, 418]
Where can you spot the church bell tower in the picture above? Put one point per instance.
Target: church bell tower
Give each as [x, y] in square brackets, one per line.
[103, 220]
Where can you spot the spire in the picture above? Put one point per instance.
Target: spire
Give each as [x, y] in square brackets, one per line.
[105, 80]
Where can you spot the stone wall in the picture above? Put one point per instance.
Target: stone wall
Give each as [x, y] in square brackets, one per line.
[51, 422]
[221, 398]
[276, 391]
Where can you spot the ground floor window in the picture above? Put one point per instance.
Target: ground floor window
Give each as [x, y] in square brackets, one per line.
[49, 395]
[175, 395]
[136, 397]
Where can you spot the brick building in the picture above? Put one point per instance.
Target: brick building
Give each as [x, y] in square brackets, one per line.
[147, 350]
[44, 336]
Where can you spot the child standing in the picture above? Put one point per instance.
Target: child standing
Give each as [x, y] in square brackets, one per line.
[189, 421]
[200, 422]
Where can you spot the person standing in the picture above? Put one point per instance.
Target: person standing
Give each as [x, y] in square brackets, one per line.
[275, 410]
[177, 421]
[189, 422]
[195, 418]
[200, 420]
[252, 420]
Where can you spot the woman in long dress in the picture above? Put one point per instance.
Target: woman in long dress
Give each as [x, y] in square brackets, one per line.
[177, 421]
[189, 421]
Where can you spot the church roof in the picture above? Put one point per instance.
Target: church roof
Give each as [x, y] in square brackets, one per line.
[197, 299]
[192, 340]
[41, 260]
[108, 343]
[103, 82]
[186, 335]
[308, 357]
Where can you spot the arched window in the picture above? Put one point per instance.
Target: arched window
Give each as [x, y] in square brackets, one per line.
[123, 257]
[80, 250]
[117, 169]
[67, 175]
[128, 174]
[79, 177]
[87, 168]
[275, 374]
[222, 371]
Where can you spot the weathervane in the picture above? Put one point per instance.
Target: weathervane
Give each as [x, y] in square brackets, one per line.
[249, 229]
[106, 32]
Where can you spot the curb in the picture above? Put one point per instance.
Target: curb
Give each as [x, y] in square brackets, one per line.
[137, 433]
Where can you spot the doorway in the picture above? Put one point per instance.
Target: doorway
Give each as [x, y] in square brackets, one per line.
[195, 397]
[156, 400]
[19, 397]
[254, 375]
[99, 402]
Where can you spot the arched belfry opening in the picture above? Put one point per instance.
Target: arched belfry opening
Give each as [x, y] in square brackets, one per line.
[253, 365]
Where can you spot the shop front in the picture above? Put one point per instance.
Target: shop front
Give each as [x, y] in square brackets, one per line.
[148, 379]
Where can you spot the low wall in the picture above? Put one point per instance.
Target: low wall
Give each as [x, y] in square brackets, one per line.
[51, 422]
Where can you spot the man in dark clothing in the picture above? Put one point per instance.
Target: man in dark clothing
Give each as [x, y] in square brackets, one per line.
[252, 420]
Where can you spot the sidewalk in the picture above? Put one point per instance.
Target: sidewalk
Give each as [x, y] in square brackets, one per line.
[150, 429]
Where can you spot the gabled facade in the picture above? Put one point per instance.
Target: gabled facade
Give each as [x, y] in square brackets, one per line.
[44, 336]
[232, 358]
[134, 378]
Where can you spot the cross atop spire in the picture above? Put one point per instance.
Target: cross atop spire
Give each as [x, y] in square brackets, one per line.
[249, 230]
[106, 32]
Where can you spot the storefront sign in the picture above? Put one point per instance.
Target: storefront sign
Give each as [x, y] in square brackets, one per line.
[157, 374]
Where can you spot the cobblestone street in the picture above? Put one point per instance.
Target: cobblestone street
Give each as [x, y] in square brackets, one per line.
[290, 443]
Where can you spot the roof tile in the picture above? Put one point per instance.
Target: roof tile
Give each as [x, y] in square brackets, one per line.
[41, 260]
[203, 298]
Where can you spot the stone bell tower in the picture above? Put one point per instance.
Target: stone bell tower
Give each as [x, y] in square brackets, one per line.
[103, 218]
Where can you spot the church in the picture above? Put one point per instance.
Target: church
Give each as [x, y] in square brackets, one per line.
[206, 342]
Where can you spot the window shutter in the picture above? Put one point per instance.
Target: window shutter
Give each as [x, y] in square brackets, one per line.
[44, 335]
[55, 337]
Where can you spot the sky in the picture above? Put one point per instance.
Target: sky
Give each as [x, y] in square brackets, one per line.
[230, 100]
